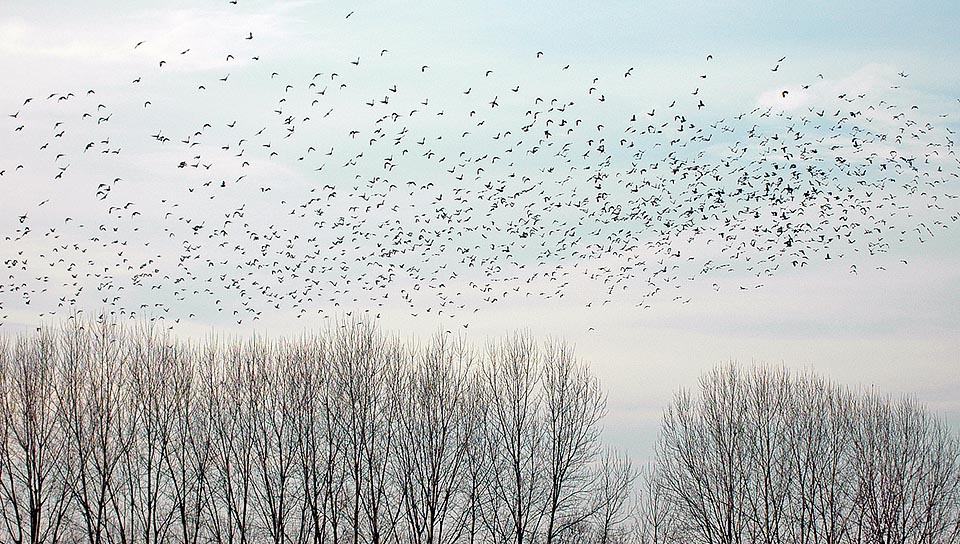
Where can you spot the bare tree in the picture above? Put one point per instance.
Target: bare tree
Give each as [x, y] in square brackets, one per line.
[514, 441]
[434, 439]
[190, 456]
[478, 467]
[812, 462]
[705, 465]
[34, 493]
[367, 364]
[769, 392]
[319, 447]
[154, 364]
[819, 439]
[906, 469]
[96, 418]
[231, 491]
[573, 405]
[656, 515]
[274, 409]
[116, 434]
[611, 497]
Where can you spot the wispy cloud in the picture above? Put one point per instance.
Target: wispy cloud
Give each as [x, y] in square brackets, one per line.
[187, 39]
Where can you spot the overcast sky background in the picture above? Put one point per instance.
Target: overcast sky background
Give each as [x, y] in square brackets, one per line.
[895, 328]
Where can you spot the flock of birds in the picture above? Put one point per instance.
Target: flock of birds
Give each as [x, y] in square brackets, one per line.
[345, 191]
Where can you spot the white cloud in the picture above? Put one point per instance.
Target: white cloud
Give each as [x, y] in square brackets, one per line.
[873, 80]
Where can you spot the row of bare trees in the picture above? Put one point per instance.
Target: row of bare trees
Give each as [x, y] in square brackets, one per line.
[771, 456]
[113, 434]
[118, 434]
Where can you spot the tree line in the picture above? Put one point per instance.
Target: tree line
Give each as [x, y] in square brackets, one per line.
[115, 433]
[121, 434]
[772, 456]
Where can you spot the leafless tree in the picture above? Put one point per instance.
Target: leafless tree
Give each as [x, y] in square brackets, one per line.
[367, 365]
[514, 441]
[573, 406]
[771, 456]
[705, 462]
[122, 434]
[906, 472]
[823, 484]
[434, 439]
[274, 410]
[769, 392]
[155, 372]
[656, 516]
[34, 495]
[190, 456]
[230, 501]
[99, 423]
[319, 447]
[610, 500]
[478, 469]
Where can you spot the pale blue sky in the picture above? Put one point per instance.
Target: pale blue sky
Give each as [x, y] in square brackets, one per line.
[896, 328]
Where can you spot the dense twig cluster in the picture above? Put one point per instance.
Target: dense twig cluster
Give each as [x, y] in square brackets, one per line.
[769, 456]
[120, 434]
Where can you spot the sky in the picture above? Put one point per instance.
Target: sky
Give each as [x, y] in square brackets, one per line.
[169, 202]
